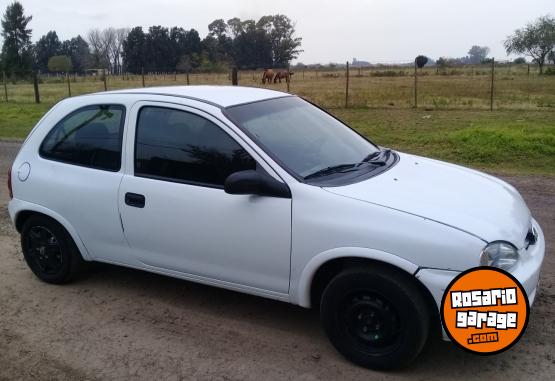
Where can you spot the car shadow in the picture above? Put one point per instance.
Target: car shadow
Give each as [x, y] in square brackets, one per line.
[438, 359]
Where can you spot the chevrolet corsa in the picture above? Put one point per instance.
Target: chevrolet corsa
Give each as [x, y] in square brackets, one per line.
[262, 192]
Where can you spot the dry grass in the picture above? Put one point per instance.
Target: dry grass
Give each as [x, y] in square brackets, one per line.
[461, 88]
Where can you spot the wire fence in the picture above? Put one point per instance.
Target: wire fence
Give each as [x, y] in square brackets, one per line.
[487, 86]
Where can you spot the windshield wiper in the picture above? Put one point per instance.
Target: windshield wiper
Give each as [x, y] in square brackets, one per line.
[378, 157]
[341, 168]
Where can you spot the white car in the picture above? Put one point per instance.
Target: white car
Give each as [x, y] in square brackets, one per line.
[262, 192]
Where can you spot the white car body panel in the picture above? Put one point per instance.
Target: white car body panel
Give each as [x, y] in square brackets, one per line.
[467, 200]
[431, 219]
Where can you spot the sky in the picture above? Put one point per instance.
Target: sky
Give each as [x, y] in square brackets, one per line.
[332, 31]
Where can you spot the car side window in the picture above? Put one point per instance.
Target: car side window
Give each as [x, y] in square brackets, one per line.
[180, 146]
[90, 136]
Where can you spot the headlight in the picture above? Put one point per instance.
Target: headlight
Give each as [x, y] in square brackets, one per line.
[499, 254]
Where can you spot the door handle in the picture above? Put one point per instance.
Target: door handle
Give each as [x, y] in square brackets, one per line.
[135, 200]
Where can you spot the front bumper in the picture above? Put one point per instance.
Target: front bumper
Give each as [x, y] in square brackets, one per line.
[527, 272]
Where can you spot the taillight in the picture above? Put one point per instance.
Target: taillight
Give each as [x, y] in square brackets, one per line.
[10, 182]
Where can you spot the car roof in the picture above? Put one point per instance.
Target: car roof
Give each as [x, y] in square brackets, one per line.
[220, 96]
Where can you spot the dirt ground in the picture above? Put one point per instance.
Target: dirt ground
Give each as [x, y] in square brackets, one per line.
[121, 324]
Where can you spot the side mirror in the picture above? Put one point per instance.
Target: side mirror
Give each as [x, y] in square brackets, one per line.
[255, 182]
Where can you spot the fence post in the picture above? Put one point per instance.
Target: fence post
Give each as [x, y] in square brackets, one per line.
[492, 80]
[143, 75]
[288, 79]
[36, 87]
[5, 85]
[528, 70]
[104, 77]
[175, 75]
[234, 80]
[68, 85]
[415, 85]
[347, 86]
[187, 75]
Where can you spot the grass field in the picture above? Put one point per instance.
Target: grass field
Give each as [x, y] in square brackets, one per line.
[453, 121]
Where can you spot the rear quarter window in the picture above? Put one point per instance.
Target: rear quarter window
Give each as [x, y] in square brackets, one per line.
[90, 136]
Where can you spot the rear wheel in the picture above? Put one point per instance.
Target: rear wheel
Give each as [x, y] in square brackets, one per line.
[375, 317]
[49, 250]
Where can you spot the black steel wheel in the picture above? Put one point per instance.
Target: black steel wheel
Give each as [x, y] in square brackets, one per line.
[372, 321]
[375, 316]
[49, 250]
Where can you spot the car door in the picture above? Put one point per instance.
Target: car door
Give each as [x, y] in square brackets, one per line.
[176, 215]
[78, 172]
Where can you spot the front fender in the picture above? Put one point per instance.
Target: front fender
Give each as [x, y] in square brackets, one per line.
[300, 292]
[15, 207]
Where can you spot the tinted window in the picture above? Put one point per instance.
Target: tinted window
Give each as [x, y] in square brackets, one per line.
[301, 136]
[90, 137]
[180, 146]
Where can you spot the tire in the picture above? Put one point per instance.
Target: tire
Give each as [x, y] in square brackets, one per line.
[50, 251]
[375, 316]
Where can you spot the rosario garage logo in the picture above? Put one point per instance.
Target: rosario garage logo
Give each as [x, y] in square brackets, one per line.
[485, 310]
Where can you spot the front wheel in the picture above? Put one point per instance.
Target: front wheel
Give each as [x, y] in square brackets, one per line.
[375, 316]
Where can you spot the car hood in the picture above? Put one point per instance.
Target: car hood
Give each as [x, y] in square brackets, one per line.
[464, 199]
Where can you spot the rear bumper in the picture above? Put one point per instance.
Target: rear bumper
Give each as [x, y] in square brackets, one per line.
[527, 272]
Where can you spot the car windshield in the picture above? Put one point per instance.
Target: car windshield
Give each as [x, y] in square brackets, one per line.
[307, 140]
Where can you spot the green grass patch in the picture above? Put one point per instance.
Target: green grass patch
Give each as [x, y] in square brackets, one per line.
[512, 142]
[17, 119]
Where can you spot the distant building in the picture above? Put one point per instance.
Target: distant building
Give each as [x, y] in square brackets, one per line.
[357, 63]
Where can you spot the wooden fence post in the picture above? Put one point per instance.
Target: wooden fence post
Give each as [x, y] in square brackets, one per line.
[5, 85]
[415, 85]
[104, 77]
[234, 80]
[492, 80]
[288, 79]
[36, 87]
[528, 70]
[187, 75]
[68, 85]
[143, 75]
[347, 86]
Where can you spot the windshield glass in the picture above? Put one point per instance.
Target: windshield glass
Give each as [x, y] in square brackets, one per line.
[308, 141]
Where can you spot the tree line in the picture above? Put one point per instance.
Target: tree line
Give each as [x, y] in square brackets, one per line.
[246, 44]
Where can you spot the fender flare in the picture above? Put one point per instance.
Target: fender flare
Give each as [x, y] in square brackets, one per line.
[19, 206]
[303, 289]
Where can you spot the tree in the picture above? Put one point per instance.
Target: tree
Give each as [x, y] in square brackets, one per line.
[47, 46]
[421, 61]
[285, 46]
[551, 56]
[217, 28]
[59, 64]
[536, 40]
[519, 60]
[16, 50]
[477, 54]
[77, 50]
[253, 49]
[134, 50]
[158, 49]
[99, 51]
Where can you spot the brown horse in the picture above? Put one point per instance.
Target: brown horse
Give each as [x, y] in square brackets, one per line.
[283, 74]
[267, 76]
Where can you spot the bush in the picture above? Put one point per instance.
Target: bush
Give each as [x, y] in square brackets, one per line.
[549, 71]
[388, 73]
